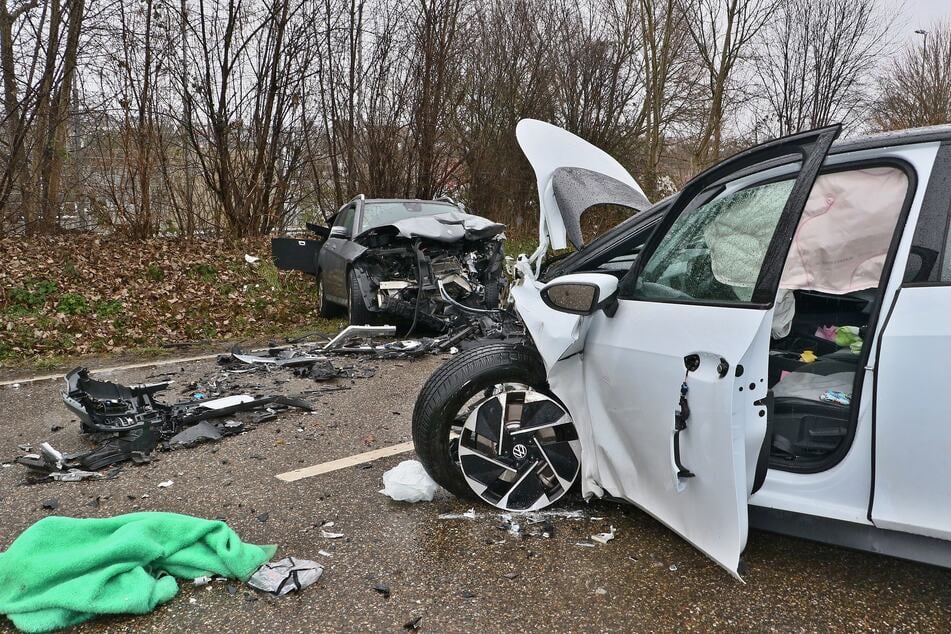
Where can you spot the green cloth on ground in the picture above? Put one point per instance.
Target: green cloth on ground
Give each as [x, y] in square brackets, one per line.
[62, 571]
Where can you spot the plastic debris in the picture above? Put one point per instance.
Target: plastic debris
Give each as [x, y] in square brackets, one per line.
[330, 535]
[201, 581]
[672, 568]
[468, 515]
[585, 544]
[409, 482]
[600, 591]
[166, 484]
[251, 259]
[285, 575]
[75, 475]
[603, 538]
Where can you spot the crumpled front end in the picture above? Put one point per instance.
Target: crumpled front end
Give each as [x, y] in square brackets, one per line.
[428, 281]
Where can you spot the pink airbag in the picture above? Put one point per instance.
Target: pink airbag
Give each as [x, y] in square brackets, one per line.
[845, 231]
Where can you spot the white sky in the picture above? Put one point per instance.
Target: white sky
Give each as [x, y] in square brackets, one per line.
[920, 14]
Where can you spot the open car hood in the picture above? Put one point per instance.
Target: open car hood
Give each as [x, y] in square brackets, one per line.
[451, 226]
[572, 176]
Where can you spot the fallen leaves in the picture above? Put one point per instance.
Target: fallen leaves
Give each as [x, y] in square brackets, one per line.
[75, 294]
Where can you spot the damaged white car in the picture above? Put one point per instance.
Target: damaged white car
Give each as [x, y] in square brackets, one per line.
[771, 355]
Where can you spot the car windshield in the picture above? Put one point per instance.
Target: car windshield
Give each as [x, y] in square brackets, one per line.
[377, 214]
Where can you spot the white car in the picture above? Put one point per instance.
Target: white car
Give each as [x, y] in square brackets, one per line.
[774, 354]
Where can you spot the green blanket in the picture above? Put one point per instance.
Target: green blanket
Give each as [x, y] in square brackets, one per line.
[62, 571]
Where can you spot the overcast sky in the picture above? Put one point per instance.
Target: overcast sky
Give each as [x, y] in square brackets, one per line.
[920, 14]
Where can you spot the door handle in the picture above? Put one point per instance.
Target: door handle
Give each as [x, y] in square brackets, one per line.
[680, 424]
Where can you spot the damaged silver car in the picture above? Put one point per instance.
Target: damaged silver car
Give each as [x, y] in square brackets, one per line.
[416, 263]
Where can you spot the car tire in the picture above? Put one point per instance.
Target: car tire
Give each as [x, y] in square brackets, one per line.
[448, 390]
[325, 307]
[357, 309]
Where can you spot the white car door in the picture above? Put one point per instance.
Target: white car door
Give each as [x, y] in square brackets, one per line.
[667, 388]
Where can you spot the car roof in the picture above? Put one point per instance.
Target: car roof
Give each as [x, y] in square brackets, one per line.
[897, 137]
[408, 200]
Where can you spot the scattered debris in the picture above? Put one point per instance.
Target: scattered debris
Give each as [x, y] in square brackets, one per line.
[383, 589]
[603, 538]
[201, 581]
[129, 423]
[409, 482]
[413, 624]
[468, 515]
[51, 505]
[511, 575]
[285, 575]
[600, 591]
[75, 475]
[166, 484]
[251, 259]
[585, 544]
[672, 568]
[329, 535]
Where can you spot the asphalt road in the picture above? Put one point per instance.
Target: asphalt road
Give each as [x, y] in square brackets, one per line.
[449, 573]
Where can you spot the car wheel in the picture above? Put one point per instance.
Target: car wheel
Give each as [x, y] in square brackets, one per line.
[325, 307]
[357, 309]
[485, 424]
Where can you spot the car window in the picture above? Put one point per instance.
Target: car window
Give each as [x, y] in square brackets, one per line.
[377, 214]
[344, 219]
[714, 252]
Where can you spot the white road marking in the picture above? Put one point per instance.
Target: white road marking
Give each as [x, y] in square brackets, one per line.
[343, 463]
[142, 364]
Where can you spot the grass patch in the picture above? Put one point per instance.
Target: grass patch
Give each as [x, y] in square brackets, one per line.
[154, 273]
[108, 308]
[204, 272]
[72, 304]
[32, 294]
[270, 274]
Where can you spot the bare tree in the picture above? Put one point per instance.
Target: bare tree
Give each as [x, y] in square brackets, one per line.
[915, 88]
[816, 61]
[723, 32]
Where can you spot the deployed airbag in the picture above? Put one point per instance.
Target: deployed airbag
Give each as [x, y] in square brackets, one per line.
[840, 244]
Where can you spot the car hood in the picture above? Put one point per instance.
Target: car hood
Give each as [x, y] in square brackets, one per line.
[451, 226]
[572, 175]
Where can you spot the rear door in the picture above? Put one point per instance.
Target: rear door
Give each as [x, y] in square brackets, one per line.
[675, 382]
[912, 434]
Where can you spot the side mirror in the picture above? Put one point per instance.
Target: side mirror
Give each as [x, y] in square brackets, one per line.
[582, 293]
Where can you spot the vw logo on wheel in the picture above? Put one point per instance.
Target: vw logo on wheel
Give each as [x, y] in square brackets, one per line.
[519, 451]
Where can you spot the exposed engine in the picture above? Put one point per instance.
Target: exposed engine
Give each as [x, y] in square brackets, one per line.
[431, 283]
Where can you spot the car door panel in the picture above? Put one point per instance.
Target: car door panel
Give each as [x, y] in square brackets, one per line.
[333, 257]
[622, 376]
[912, 439]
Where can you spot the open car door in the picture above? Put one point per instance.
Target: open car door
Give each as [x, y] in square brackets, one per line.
[668, 388]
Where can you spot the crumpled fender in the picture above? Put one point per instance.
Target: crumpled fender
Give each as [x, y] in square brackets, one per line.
[559, 338]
